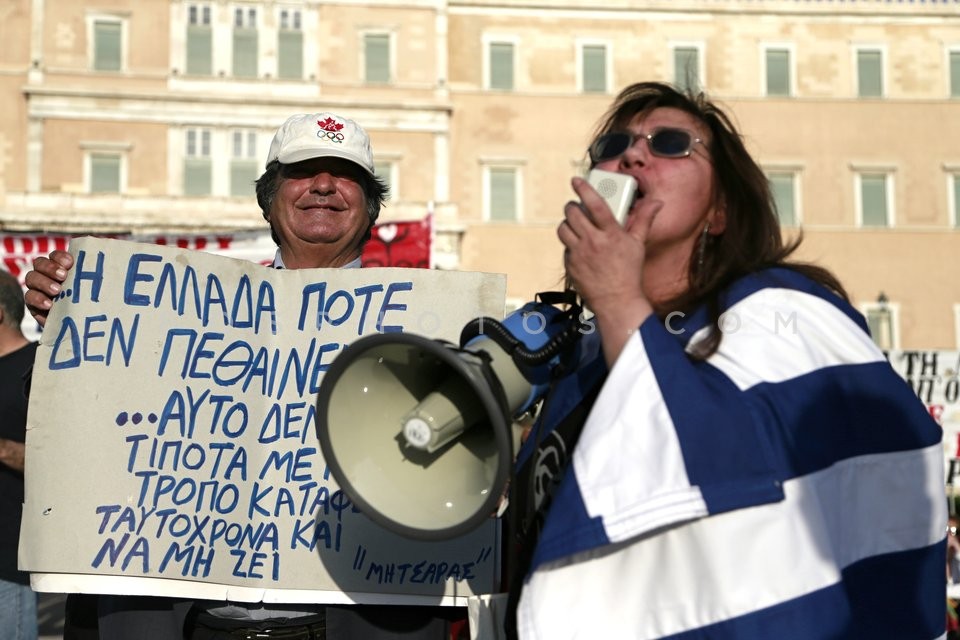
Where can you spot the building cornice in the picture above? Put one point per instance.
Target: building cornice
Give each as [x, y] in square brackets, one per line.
[688, 8]
[170, 108]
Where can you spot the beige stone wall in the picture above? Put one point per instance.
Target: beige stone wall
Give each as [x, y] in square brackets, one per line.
[825, 132]
[144, 147]
[66, 33]
[13, 135]
[441, 127]
[14, 63]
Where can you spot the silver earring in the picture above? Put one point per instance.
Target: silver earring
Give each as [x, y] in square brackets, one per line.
[702, 249]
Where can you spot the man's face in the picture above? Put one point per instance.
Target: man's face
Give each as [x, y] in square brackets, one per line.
[319, 213]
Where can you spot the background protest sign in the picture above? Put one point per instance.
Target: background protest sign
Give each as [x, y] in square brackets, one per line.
[934, 375]
[171, 439]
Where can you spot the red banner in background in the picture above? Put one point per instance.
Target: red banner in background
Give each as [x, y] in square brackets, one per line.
[18, 251]
[393, 244]
[400, 244]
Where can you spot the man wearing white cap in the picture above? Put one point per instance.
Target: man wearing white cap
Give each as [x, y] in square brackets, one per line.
[321, 199]
[319, 192]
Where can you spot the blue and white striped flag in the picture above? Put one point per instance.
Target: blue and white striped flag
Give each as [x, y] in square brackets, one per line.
[789, 486]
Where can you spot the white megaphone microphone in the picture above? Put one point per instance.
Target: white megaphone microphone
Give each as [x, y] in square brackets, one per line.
[418, 432]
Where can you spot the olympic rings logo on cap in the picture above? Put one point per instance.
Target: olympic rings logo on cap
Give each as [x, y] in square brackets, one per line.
[332, 136]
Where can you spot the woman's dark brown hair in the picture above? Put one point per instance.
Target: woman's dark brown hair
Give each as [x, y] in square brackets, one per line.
[751, 240]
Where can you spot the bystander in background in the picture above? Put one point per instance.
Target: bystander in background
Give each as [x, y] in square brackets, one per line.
[18, 603]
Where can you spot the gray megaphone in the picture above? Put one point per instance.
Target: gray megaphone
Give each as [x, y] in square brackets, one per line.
[418, 432]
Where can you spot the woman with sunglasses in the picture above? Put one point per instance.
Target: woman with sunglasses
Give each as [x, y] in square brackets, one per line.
[751, 467]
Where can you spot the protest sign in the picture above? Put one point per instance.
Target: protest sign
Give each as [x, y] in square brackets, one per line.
[171, 433]
[934, 375]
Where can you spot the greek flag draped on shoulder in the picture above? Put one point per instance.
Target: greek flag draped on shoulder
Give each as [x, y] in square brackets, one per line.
[789, 486]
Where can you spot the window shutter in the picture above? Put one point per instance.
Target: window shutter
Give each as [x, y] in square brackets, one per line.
[686, 68]
[243, 174]
[244, 52]
[781, 186]
[107, 46]
[873, 189]
[501, 65]
[595, 68]
[237, 151]
[197, 177]
[955, 74]
[778, 72]
[503, 193]
[104, 173]
[290, 55]
[199, 50]
[377, 57]
[384, 171]
[870, 74]
[956, 200]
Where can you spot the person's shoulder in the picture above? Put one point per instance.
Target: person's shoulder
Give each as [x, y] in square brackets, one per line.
[777, 278]
[782, 278]
[783, 283]
[26, 352]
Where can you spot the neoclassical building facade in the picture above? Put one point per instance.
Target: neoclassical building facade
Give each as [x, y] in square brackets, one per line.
[155, 116]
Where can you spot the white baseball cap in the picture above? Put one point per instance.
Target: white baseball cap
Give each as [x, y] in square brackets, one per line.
[320, 135]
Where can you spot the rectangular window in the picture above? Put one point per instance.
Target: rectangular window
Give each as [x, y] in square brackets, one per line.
[245, 43]
[199, 41]
[197, 168]
[686, 68]
[955, 74]
[783, 189]
[594, 68]
[869, 73]
[874, 200]
[198, 143]
[198, 14]
[290, 46]
[502, 194]
[501, 65]
[107, 45]
[955, 182]
[385, 171]
[243, 163]
[376, 57]
[778, 72]
[104, 173]
[290, 20]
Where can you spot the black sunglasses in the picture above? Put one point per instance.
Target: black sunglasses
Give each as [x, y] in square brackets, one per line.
[665, 142]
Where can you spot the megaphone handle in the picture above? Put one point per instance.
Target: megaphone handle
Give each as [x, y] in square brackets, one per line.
[494, 384]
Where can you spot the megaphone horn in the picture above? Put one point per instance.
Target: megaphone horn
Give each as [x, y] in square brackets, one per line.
[418, 431]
